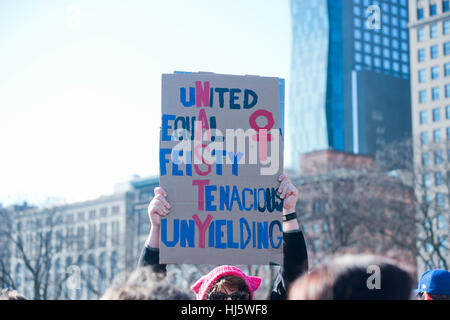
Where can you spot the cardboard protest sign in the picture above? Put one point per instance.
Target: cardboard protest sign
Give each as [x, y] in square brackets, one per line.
[221, 154]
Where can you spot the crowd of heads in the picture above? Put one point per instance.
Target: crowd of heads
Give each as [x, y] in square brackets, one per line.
[347, 277]
[355, 277]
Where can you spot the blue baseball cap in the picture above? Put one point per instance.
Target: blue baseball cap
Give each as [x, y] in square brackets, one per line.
[435, 282]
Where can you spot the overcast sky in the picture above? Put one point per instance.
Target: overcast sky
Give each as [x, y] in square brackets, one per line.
[80, 82]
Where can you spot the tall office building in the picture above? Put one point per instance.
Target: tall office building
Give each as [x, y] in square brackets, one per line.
[430, 95]
[349, 76]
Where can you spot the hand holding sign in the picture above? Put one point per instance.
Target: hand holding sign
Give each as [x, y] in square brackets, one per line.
[158, 207]
[289, 193]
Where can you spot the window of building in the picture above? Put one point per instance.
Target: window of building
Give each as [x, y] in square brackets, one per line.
[91, 236]
[368, 61]
[396, 66]
[440, 200]
[422, 96]
[395, 55]
[440, 222]
[115, 233]
[376, 50]
[315, 245]
[446, 27]
[434, 72]
[422, 75]
[425, 159]
[325, 244]
[404, 23]
[421, 55]
[103, 234]
[419, 13]
[103, 212]
[438, 157]
[447, 90]
[115, 210]
[144, 196]
[424, 138]
[376, 39]
[377, 62]
[395, 44]
[445, 6]
[404, 46]
[420, 34]
[403, 12]
[315, 228]
[447, 69]
[80, 216]
[434, 52]
[446, 48]
[433, 30]
[423, 117]
[358, 45]
[394, 33]
[436, 114]
[437, 136]
[394, 21]
[426, 180]
[447, 112]
[435, 94]
[80, 238]
[433, 9]
[438, 179]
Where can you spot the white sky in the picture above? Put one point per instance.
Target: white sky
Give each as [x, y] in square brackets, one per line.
[80, 82]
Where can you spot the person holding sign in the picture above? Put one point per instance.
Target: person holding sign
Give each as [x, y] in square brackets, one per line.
[228, 282]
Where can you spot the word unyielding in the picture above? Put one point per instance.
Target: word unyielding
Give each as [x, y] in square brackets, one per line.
[221, 233]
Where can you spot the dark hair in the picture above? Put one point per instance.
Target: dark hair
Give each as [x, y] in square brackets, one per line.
[349, 278]
[144, 284]
[231, 282]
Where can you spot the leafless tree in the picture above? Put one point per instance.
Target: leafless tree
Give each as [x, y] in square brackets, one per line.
[361, 208]
[39, 250]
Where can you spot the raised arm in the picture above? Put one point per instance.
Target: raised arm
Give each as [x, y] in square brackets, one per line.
[295, 261]
[157, 209]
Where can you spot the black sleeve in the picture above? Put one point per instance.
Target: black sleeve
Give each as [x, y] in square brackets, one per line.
[295, 263]
[150, 257]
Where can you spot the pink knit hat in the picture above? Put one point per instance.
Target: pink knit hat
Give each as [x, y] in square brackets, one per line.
[202, 286]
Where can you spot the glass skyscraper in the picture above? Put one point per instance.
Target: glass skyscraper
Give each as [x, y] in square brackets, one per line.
[349, 76]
